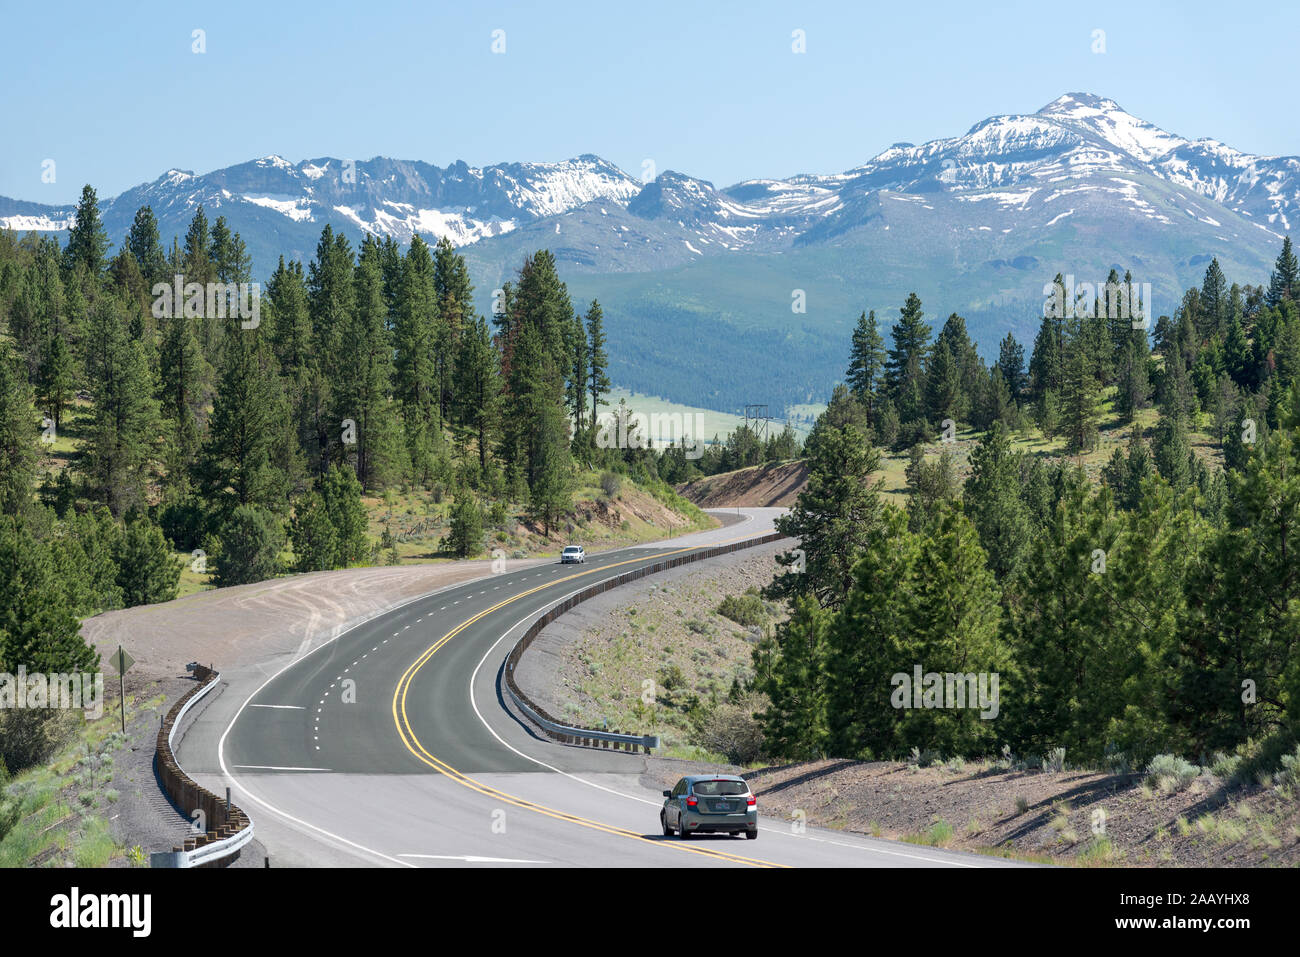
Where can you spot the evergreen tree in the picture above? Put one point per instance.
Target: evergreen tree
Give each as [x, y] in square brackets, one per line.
[148, 572]
[121, 443]
[992, 500]
[341, 493]
[1079, 391]
[249, 547]
[905, 364]
[1284, 283]
[836, 511]
[465, 536]
[88, 244]
[235, 464]
[361, 391]
[794, 721]
[1011, 363]
[866, 362]
[415, 372]
[315, 540]
[38, 629]
[144, 244]
[597, 359]
[478, 388]
[19, 438]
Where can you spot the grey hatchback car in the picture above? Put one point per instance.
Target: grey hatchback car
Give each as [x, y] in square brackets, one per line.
[710, 804]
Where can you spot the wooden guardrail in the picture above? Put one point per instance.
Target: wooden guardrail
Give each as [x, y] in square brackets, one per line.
[226, 827]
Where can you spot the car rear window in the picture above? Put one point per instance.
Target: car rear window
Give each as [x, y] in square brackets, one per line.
[709, 788]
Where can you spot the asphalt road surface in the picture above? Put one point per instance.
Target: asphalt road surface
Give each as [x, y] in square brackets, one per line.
[392, 745]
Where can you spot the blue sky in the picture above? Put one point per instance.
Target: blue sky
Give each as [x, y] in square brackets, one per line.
[712, 89]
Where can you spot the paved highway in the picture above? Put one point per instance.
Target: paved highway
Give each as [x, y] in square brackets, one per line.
[392, 745]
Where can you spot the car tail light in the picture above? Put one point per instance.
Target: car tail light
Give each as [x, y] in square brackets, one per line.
[692, 801]
[752, 801]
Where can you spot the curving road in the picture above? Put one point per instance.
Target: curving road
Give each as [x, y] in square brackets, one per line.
[392, 745]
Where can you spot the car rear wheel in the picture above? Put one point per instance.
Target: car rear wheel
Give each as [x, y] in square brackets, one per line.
[681, 830]
[663, 822]
[751, 835]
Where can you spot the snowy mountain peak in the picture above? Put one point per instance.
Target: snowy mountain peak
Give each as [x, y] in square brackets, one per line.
[1080, 104]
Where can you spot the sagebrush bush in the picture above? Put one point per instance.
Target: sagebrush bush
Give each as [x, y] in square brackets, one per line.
[1170, 773]
[746, 610]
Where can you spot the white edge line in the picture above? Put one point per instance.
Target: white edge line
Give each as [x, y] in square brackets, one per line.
[632, 797]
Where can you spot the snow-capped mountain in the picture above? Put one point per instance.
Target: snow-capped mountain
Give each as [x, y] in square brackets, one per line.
[975, 223]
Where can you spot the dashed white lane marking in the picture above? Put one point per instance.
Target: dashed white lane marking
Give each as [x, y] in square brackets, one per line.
[285, 707]
[471, 859]
[272, 767]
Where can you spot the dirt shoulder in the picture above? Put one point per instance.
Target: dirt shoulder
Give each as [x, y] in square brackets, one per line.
[246, 624]
[759, 487]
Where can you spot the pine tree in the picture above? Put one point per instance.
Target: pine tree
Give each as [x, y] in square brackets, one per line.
[248, 549]
[597, 359]
[147, 571]
[790, 671]
[38, 628]
[866, 642]
[88, 244]
[1214, 300]
[992, 500]
[1011, 363]
[455, 315]
[315, 540]
[361, 390]
[143, 241]
[341, 492]
[1134, 386]
[1284, 283]
[55, 379]
[1079, 391]
[835, 513]
[19, 436]
[1172, 452]
[235, 466]
[866, 363]
[465, 536]
[478, 388]
[905, 364]
[121, 444]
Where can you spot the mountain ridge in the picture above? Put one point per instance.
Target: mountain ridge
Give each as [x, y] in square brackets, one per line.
[975, 223]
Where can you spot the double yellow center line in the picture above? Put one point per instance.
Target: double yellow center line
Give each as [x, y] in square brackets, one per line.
[407, 733]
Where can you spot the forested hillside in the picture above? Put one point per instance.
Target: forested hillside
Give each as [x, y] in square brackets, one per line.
[1140, 605]
[155, 400]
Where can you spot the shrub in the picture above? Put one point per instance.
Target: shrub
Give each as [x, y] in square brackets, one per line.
[1170, 773]
[1054, 760]
[924, 759]
[746, 610]
[611, 484]
[1290, 773]
[733, 731]
[671, 677]
[1224, 766]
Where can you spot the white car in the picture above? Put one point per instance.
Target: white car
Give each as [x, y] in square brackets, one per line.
[573, 555]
